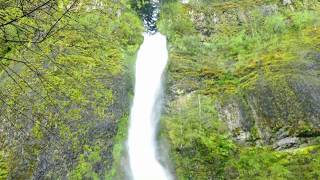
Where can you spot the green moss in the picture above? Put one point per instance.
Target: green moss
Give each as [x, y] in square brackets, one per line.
[3, 166]
[118, 149]
[197, 137]
[84, 168]
[241, 54]
[67, 92]
[253, 53]
[201, 148]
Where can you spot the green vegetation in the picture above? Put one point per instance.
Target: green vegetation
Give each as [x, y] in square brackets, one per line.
[84, 169]
[243, 87]
[3, 166]
[201, 147]
[239, 83]
[64, 85]
[197, 138]
[117, 172]
[230, 52]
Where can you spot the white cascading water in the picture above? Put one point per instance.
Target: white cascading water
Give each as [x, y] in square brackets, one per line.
[151, 62]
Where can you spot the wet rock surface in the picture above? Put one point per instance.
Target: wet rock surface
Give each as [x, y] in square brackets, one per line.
[282, 113]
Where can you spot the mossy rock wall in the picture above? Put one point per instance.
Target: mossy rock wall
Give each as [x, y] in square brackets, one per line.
[65, 86]
[242, 85]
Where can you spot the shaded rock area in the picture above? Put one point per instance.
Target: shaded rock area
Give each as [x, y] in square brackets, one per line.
[283, 111]
[286, 143]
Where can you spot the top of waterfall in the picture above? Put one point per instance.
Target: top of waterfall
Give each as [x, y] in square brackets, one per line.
[184, 1]
[150, 15]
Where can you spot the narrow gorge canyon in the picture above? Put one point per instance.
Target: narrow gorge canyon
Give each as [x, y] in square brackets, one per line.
[170, 89]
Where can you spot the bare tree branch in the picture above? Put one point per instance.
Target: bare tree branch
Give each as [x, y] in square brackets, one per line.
[24, 15]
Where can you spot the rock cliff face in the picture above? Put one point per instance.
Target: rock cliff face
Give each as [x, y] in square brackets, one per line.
[250, 68]
[65, 86]
[278, 108]
[243, 88]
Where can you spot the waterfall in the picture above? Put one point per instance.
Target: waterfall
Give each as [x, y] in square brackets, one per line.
[142, 146]
[151, 62]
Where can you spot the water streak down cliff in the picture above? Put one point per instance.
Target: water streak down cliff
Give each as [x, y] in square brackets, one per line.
[151, 62]
[152, 59]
